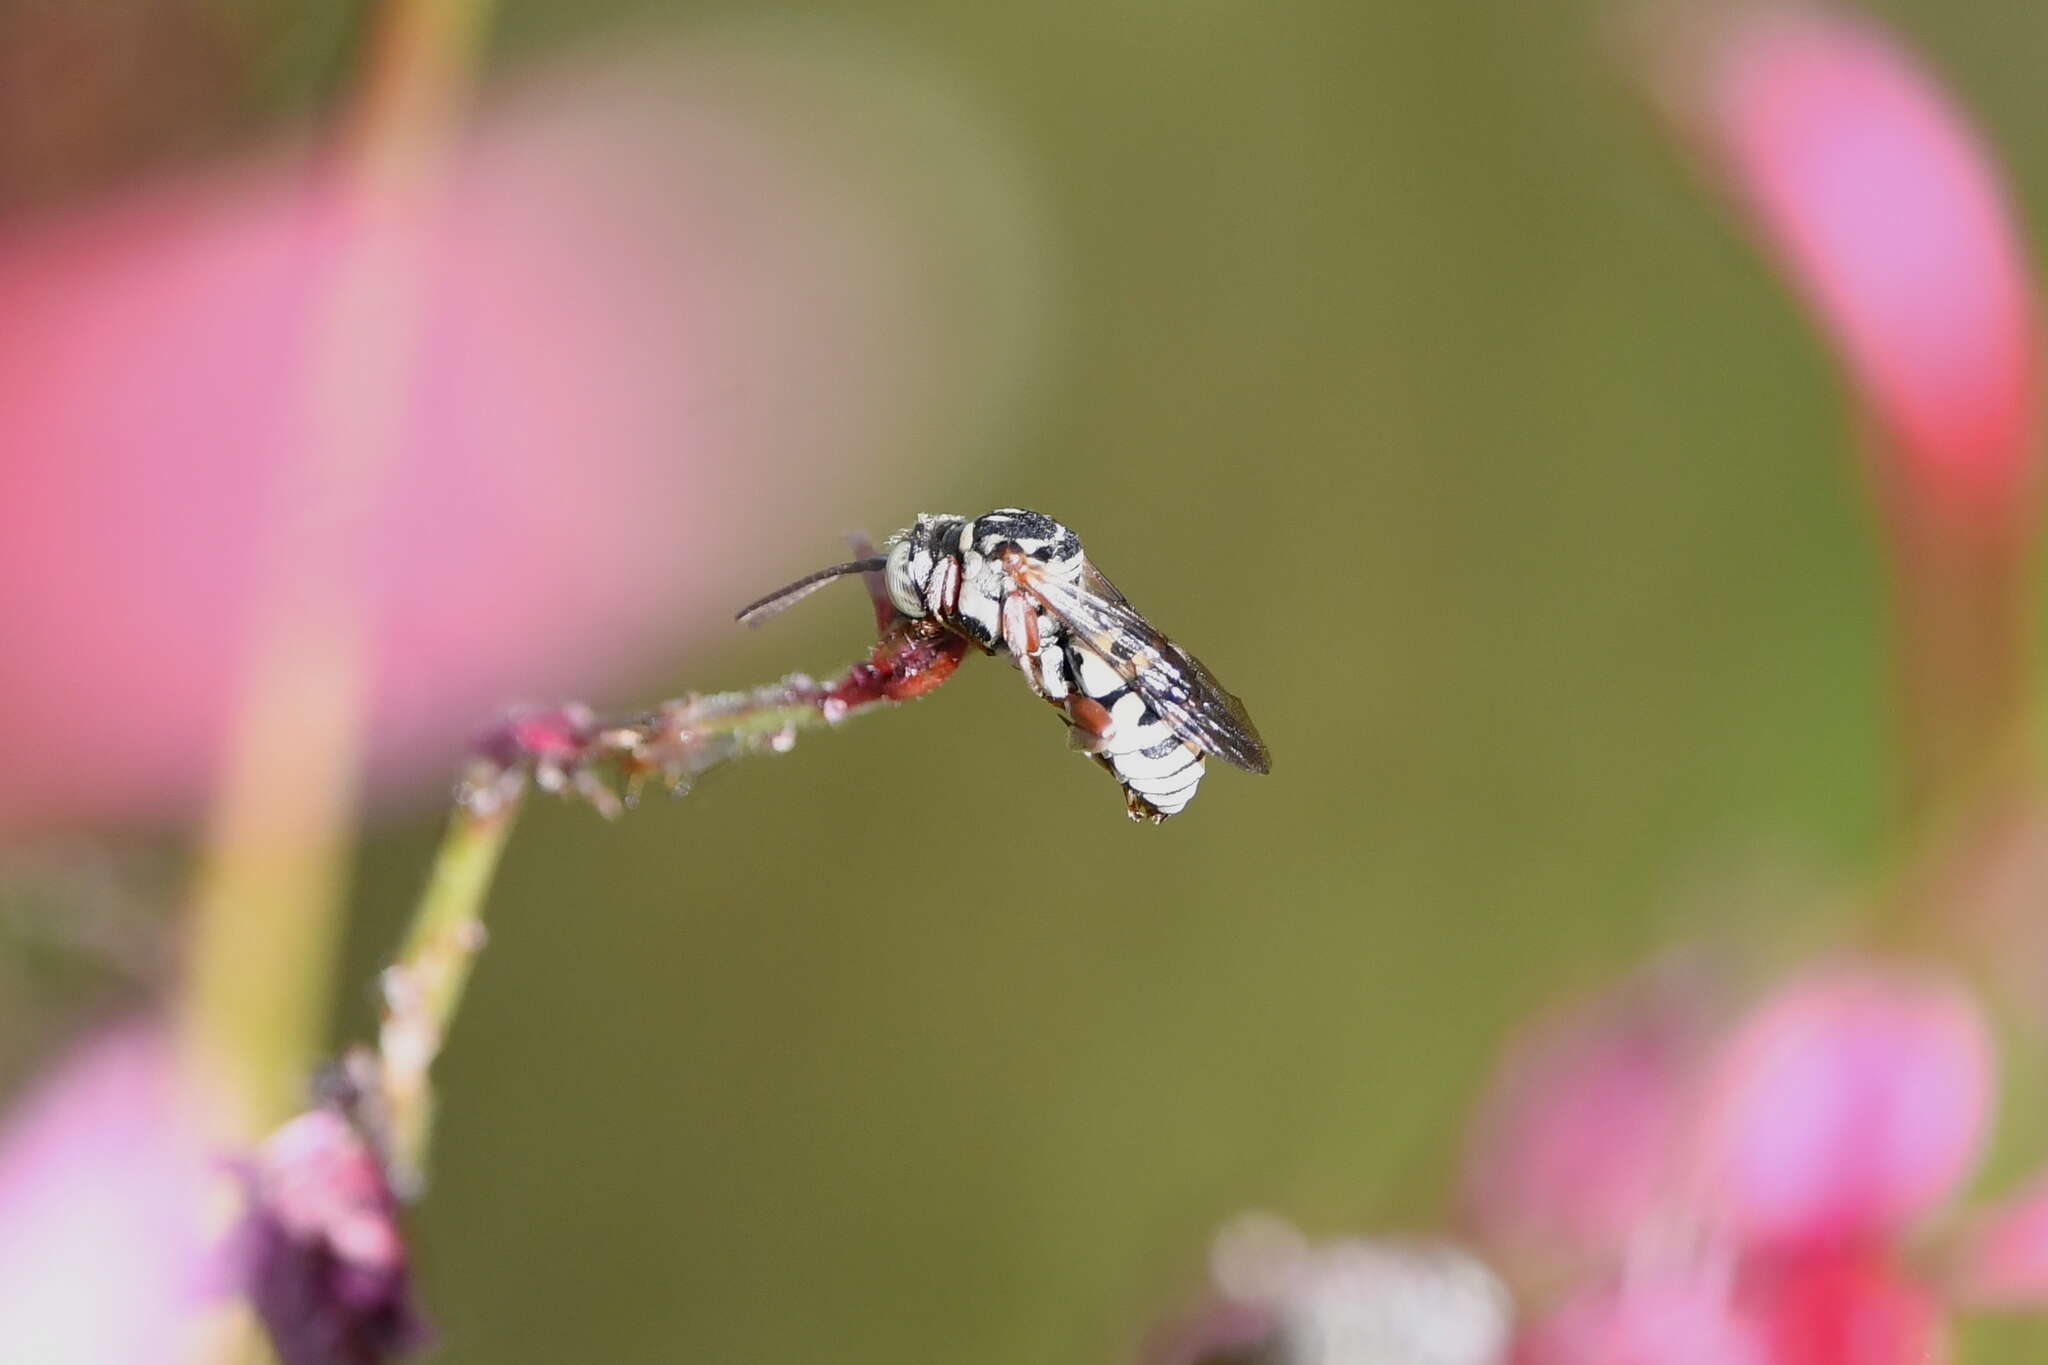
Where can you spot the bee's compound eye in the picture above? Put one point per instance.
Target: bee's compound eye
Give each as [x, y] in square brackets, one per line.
[905, 591]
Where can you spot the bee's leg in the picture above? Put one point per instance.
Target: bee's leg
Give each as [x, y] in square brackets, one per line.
[1135, 806]
[1138, 808]
[1020, 637]
[912, 686]
[943, 594]
[1093, 727]
[912, 658]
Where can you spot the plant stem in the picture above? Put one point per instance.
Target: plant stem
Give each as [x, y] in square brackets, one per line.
[424, 987]
[268, 893]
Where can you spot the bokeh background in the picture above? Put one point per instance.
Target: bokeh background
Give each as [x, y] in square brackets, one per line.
[1387, 355]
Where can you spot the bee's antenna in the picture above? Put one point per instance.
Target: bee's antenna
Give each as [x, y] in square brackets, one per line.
[783, 598]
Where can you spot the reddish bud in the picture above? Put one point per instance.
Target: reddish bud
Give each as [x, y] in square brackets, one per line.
[324, 1259]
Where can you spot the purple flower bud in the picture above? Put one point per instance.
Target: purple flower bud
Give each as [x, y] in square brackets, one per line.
[323, 1256]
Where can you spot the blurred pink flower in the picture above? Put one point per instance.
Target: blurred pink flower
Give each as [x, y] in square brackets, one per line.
[1666, 1180]
[1801, 1153]
[1843, 1308]
[1572, 1145]
[109, 1256]
[1672, 1322]
[1886, 213]
[673, 316]
[100, 1194]
[1888, 217]
[1847, 1107]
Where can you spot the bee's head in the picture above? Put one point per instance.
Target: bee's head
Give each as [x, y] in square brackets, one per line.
[914, 555]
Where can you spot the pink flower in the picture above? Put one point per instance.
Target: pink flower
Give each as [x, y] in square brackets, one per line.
[1843, 1308]
[1664, 1180]
[1681, 1321]
[100, 1199]
[1845, 1108]
[1880, 204]
[660, 340]
[1801, 1155]
[109, 1256]
[1573, 1143]
[1888, 217]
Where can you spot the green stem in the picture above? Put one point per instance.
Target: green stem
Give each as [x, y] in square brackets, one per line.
[268, 894]
[424, 987]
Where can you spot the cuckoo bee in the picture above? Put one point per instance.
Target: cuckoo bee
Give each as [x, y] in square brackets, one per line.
[1016, 583]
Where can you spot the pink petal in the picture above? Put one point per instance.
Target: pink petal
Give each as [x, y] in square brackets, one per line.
[1571, 1148]
[1886, 212]
[1848, 1104]
[1686, 1320]
[100, 1193]
[1845, 1310]
[674, 334]
[2003, 1260]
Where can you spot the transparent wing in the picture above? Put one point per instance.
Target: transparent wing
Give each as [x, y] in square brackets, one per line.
[1185, 694]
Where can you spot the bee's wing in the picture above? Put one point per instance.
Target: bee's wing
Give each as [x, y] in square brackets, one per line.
[1185, 694]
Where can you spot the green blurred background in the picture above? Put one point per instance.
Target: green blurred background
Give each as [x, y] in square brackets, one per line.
[1393, 362]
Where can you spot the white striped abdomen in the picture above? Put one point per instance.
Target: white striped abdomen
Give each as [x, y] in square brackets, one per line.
[1149, 759]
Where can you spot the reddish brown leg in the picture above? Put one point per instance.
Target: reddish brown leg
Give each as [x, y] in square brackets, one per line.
[1020, 637]
[918, 657]
[911, 659]
[1090, 719]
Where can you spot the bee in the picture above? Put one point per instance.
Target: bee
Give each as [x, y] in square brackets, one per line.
[1016, 583]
